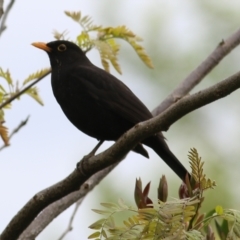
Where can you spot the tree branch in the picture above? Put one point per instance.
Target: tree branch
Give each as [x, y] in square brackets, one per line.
[223, 48]
[5, 15]
[20, 125]
[1, 8]
[53, 210]
[15, 96]
[70, 227]
[115, 153]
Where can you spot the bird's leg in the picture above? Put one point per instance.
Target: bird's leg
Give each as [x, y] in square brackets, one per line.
[92, 153]
[86, 157]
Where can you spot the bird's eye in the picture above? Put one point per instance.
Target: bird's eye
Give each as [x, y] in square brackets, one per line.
[62, 47]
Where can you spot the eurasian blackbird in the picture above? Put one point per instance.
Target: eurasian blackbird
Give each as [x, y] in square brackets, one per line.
[99, 104]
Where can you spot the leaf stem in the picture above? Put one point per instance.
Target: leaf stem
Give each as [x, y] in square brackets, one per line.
[9, 100]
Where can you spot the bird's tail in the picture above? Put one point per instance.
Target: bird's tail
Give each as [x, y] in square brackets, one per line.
[158, 144]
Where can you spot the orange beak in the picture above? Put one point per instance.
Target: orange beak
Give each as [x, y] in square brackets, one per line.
[42, 46]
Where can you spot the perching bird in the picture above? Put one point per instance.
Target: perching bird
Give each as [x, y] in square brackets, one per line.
[99, 104]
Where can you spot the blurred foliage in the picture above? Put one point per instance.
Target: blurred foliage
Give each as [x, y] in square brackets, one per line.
[176, 219]
[105, 40]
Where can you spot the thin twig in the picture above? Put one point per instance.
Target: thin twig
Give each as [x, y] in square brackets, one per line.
[23, 123]
[1, 8]
[5, 15]
[198, 74]
[70, 227]
[15, 130]
[23, 90]
[56, 208]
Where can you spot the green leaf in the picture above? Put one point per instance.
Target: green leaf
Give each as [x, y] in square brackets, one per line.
[113, 45]
[6, 75]
[127, 224]
[196, 164]
[107, 54]
[105, 64]
[85, 21]
[98, 224]
[2, 89]
[127, 35]
[36, 75]
[76, 16]
[122, 204]
[104, 233]
[83, 40]
[141, 53]
[194, 235]
[219, 210]
[33, 92]
[109, 205]
[101, 211]
[221, 232]
[4, 134]
[1, 115]
[110, 222]
[94, 235]
[117, 32]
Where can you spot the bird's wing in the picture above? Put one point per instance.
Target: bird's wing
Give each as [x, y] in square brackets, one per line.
[110, 93]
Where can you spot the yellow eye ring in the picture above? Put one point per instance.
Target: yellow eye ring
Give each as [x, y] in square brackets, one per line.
[62, 47]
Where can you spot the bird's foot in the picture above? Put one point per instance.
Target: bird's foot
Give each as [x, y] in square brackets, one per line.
[86, 157]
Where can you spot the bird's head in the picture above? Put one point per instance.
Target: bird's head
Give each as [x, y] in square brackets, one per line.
[62, 52]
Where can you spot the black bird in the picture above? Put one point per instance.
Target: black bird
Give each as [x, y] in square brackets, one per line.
[99, 104]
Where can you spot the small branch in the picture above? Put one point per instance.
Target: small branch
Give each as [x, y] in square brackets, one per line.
[1, 8]
[70, 227]
[5, 15]
[223, 48]
[115, 153]
[23, 90]
[21, 124]
[56, 208]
